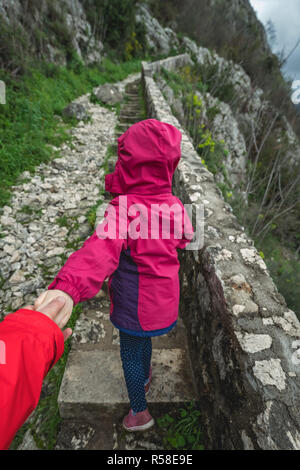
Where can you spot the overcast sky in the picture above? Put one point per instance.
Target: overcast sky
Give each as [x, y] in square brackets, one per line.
[285, 14]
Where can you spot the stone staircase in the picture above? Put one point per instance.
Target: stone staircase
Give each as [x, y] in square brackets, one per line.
[131, 109]
[93, 396]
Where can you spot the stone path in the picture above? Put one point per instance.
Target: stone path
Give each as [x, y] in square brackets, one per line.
[93, 397]
[49, 212]
[46, 222]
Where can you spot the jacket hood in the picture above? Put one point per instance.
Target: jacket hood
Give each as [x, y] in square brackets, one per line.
[148, 154]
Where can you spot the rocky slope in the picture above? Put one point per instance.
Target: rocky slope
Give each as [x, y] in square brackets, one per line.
[231, 123]
[51, 28]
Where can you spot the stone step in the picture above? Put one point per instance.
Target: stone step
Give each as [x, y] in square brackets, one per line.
[128, 110]
[93, 384]
[132, 94]
[131, 113]
[132, 88]
[134, 101]
[125, 114]
[134, 107]
[129, 119]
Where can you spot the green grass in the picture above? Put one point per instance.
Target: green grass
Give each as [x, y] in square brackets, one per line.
[176, 81]
[285, 271]
[31, 122]
[63, 221]
[181, 430]
[142, 100]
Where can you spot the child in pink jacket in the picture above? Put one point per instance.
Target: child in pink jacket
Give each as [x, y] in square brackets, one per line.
[138, 253]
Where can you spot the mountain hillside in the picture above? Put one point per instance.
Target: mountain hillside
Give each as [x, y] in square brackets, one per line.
[233, 30]
[78, 73]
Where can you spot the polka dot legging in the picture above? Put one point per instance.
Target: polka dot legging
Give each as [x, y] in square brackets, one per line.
[136, 354]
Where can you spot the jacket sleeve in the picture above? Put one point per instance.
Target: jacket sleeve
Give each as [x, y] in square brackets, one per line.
[85, 270]
[30, 344]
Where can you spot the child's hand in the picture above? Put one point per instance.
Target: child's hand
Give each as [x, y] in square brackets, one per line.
[49, 295]
[52, 310]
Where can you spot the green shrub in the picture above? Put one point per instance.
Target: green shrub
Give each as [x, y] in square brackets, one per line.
[256, 217]
[284, 269]
[114, 23]
[30, 123]
[182, 429]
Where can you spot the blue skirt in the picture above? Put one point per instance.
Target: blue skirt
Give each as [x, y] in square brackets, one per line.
[145, 334]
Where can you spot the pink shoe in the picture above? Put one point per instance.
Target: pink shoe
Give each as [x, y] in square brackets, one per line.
[147, 387]
[140, 422]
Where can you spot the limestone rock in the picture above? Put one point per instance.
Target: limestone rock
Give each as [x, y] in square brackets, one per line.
[75, 110]
[159, 39]
[17, 277]
[108, 94]
[253, 343]
[270, 372]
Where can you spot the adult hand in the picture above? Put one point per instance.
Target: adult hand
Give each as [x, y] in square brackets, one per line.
[51, 294]
[55, 309]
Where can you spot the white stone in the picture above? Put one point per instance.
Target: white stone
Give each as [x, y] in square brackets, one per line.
[7, 210]
[241, 238]
[253, 343]
[224, 255]
[289, 323]
[17, 277]
[238, 279]
[9, 249]
[270, 372]
[237, 309]
[10, 240]
[6, 220]
[267, 321]
[212, 231]
[295, 440]
[195, 197]
[248, 445]
[251, 257]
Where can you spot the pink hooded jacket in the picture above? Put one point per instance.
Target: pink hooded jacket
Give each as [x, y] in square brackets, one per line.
[146, 224]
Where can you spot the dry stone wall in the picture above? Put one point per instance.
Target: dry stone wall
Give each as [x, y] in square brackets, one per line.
[243, 339]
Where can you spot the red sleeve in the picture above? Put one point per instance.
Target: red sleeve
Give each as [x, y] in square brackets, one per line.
[85, 270]
[30, 344]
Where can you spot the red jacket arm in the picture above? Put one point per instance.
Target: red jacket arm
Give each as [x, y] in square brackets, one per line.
[30, 344]
[85, 270]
